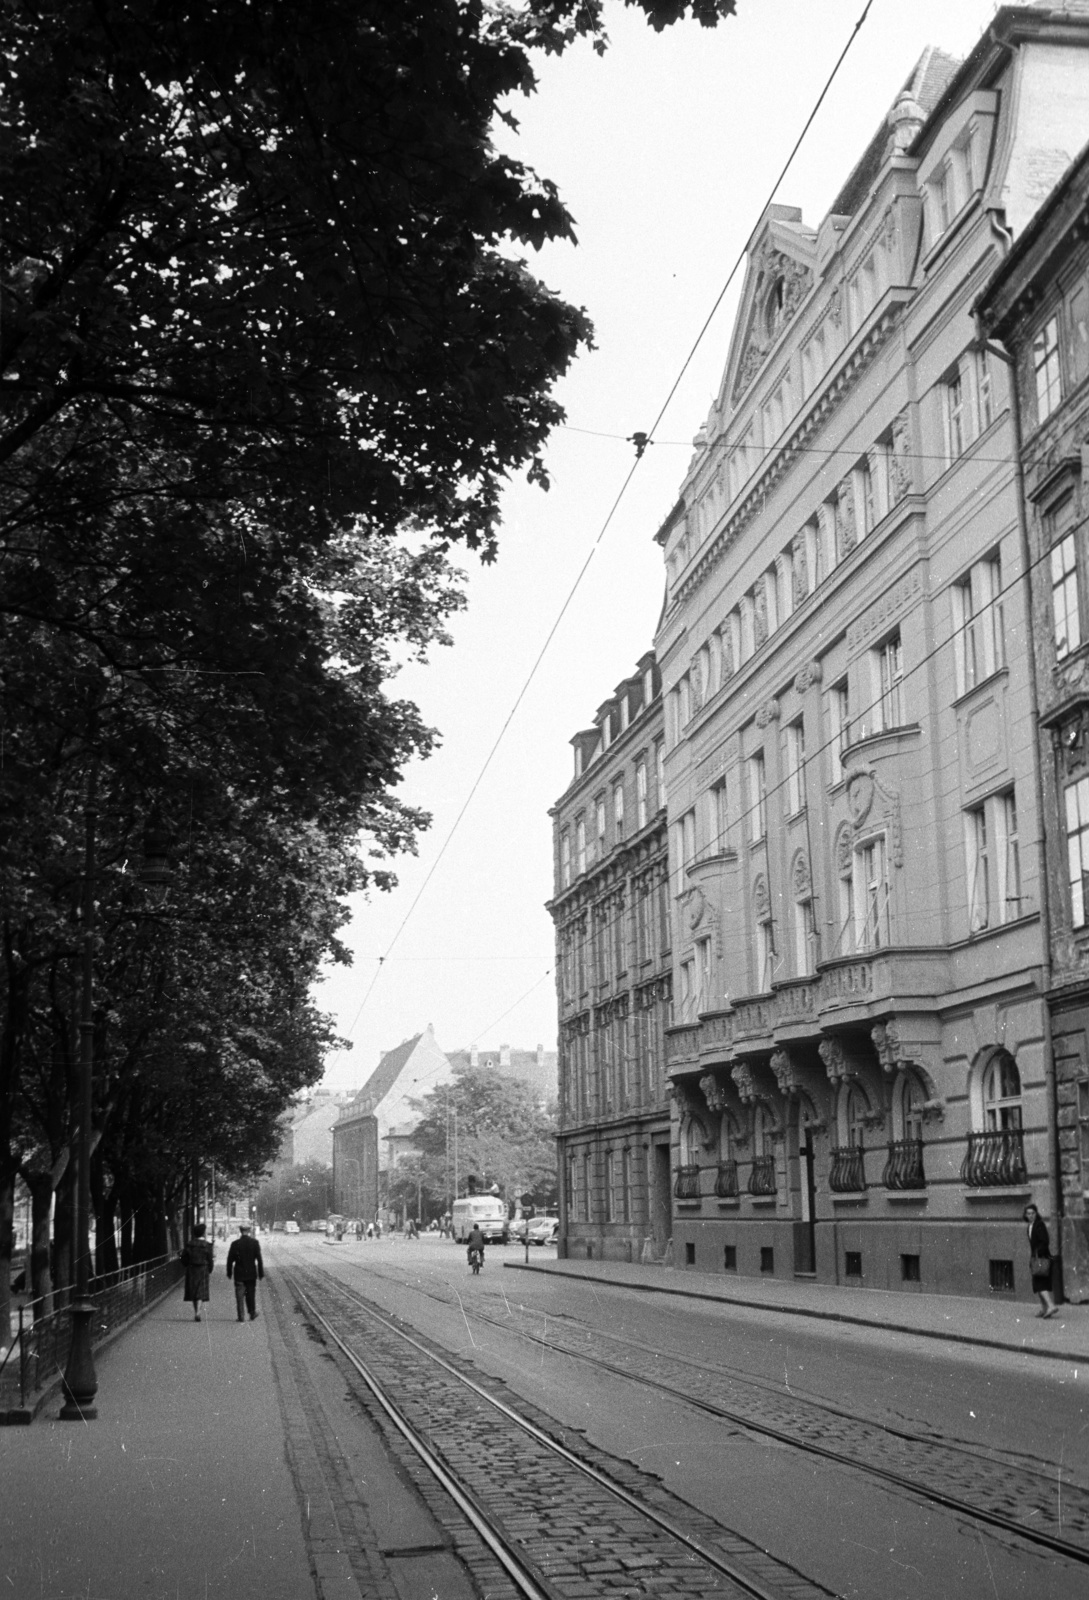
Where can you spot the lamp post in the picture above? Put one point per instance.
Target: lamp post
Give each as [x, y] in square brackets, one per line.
[80, 1380]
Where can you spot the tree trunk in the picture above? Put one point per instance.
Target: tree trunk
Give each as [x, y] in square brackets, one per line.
[63, 1236]
[7, 1245]
[105, 1213]
[40, 1185]
[127, 1256]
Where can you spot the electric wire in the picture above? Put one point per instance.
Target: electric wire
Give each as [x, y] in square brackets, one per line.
[604, 528]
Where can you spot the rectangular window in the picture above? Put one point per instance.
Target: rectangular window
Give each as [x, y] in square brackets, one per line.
[641, 794]
[659, 773]
[580, 845]
[765, 956]
[729, 1258]
[688, 991]
[1083, 1130]
[565, 859]
[814, 568]
[978, 643]
[1066, 611]
[890, 677]
[758, 798]
[1046, 366]
[610, 1189]
[618, 810]
[719, 819]
[1077, 849]
[846, 941]
[1008, 851]
[703, 973]
[956, 420]
[599, 817]
[840, 706]
[975, 846]
[909, 1269]
[872, 896]
[805, 939]
[984, 390]
[794, 751]
[1077, 333]
[767, 1258]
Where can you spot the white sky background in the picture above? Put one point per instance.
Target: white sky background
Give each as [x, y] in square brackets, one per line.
[665, 152]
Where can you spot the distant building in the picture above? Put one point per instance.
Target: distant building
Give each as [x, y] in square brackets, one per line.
[536, 1067]
[308, 1136]
[612, 912]
[362, 1133]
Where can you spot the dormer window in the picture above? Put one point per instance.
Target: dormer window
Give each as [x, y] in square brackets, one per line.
[774, 307]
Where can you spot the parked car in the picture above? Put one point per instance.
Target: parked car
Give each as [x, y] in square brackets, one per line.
[544, 1230]
[291, 1227]
[516, 1230]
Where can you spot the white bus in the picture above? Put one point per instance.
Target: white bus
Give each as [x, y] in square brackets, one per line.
[486, 1210]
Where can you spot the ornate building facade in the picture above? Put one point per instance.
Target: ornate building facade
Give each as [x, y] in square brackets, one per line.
[1037, 304]
[861, 1079]
[612, 913]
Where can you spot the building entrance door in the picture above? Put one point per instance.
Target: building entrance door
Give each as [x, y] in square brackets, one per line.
[661, 1198]
[805, 1227]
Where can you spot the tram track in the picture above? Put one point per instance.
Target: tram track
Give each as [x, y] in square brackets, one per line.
[585, 1521]
[943, 1473]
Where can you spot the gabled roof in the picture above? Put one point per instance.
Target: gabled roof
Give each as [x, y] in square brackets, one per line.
[926, 83]
[382, 1079]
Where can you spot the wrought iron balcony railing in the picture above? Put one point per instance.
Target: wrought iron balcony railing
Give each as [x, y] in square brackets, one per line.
[762, 1176]
[995, 1160]
[726, 1185]
[686, 1185]
[904, 1167]
[848, 1174]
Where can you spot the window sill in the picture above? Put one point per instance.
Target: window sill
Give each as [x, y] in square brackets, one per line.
[996, 1193]
[850, 1199]
[763, 1200]
[730, 1205]
[906, 1197]
[689, 1205]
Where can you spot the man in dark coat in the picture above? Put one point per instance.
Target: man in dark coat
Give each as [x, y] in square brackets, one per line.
[244, 1264]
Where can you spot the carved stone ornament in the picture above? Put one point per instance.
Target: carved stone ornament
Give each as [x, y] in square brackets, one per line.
[886, 1042]
[790, 282]
[810, 674]
[846, 526]
[835, 306]
[696, 905]
[785, 1073]
[889, 220]
[860, 792]
[801, 574]
[714, 1092]
[760, 615]
[761, 899]
[1072, 739]
[869, 802]
[768, 712]
[801, 881]
[900, 460]
[742, 1076]
[838, 1068]
[845, 850]
[874, 1120]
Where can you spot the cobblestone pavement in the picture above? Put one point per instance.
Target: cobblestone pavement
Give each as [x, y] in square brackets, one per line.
[1034, 1495]
[576, 1535]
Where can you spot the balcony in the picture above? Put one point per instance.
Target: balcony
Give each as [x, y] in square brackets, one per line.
[762, 1176]
[686, 1185]
[904, 1167]
[848, 1174]
[995, 1160]
[726, 1184]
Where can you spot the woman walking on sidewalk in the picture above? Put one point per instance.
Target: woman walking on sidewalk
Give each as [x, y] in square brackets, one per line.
[1040, 1261]
[197, 1258]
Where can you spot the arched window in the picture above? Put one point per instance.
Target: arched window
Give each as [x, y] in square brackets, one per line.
[761, 1130]
[690, 1142]
[1001, 1093]
[855, 1110]
[774, 306]
[908, 1107]
[727, 1135]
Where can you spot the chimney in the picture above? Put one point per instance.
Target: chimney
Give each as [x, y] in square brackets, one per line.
[474, 1056]
[504, 1055]
[540, 1055]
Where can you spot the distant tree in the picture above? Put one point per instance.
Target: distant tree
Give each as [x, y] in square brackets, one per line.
[301, 1192]
[504, 1136]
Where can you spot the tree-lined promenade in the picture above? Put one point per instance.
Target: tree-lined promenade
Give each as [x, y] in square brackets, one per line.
[267, 350]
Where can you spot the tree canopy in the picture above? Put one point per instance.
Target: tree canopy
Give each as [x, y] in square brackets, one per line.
[269, 347]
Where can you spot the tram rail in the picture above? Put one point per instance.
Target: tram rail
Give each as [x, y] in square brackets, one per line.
[771, 1579]
[1024, 1486]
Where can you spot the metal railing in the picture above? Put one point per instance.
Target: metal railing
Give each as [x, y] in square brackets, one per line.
[687, 1183]
[904, 1167]
[848, 1174]
[40, 1347]
[995, 1159]
[726, 1184]
[762, 1175]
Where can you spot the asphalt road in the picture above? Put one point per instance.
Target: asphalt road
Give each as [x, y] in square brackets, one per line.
[851, 1532]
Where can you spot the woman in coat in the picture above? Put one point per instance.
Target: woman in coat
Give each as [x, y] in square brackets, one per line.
[197, 1257]
[1040, 1261]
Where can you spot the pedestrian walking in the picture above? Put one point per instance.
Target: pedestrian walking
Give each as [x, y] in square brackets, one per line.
[245, 1265]
[198, 1258]
[1040, 1263]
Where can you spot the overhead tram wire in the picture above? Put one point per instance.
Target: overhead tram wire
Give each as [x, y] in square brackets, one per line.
[643, 441]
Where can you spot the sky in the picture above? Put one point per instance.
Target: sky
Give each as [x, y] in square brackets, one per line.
[666, 151]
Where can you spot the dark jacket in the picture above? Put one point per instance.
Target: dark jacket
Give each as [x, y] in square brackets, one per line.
[244, 1259]
[476, 1239]
[197, 1258]
[1039, 1238]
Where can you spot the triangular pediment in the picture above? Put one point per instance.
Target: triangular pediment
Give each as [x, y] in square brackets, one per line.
[780, 273]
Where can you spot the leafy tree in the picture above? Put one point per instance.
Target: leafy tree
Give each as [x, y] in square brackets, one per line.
[301, 1192]
[503, 1137]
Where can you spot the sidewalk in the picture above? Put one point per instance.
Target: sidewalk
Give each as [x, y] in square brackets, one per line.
[996, 1324]
[178, 1490]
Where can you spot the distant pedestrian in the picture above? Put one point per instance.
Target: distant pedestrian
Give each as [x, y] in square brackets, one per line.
[359, 1230]
[198, 1258]
[378, 1227]
[245, 1265]
[370, 1230]
[1040, 1263]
